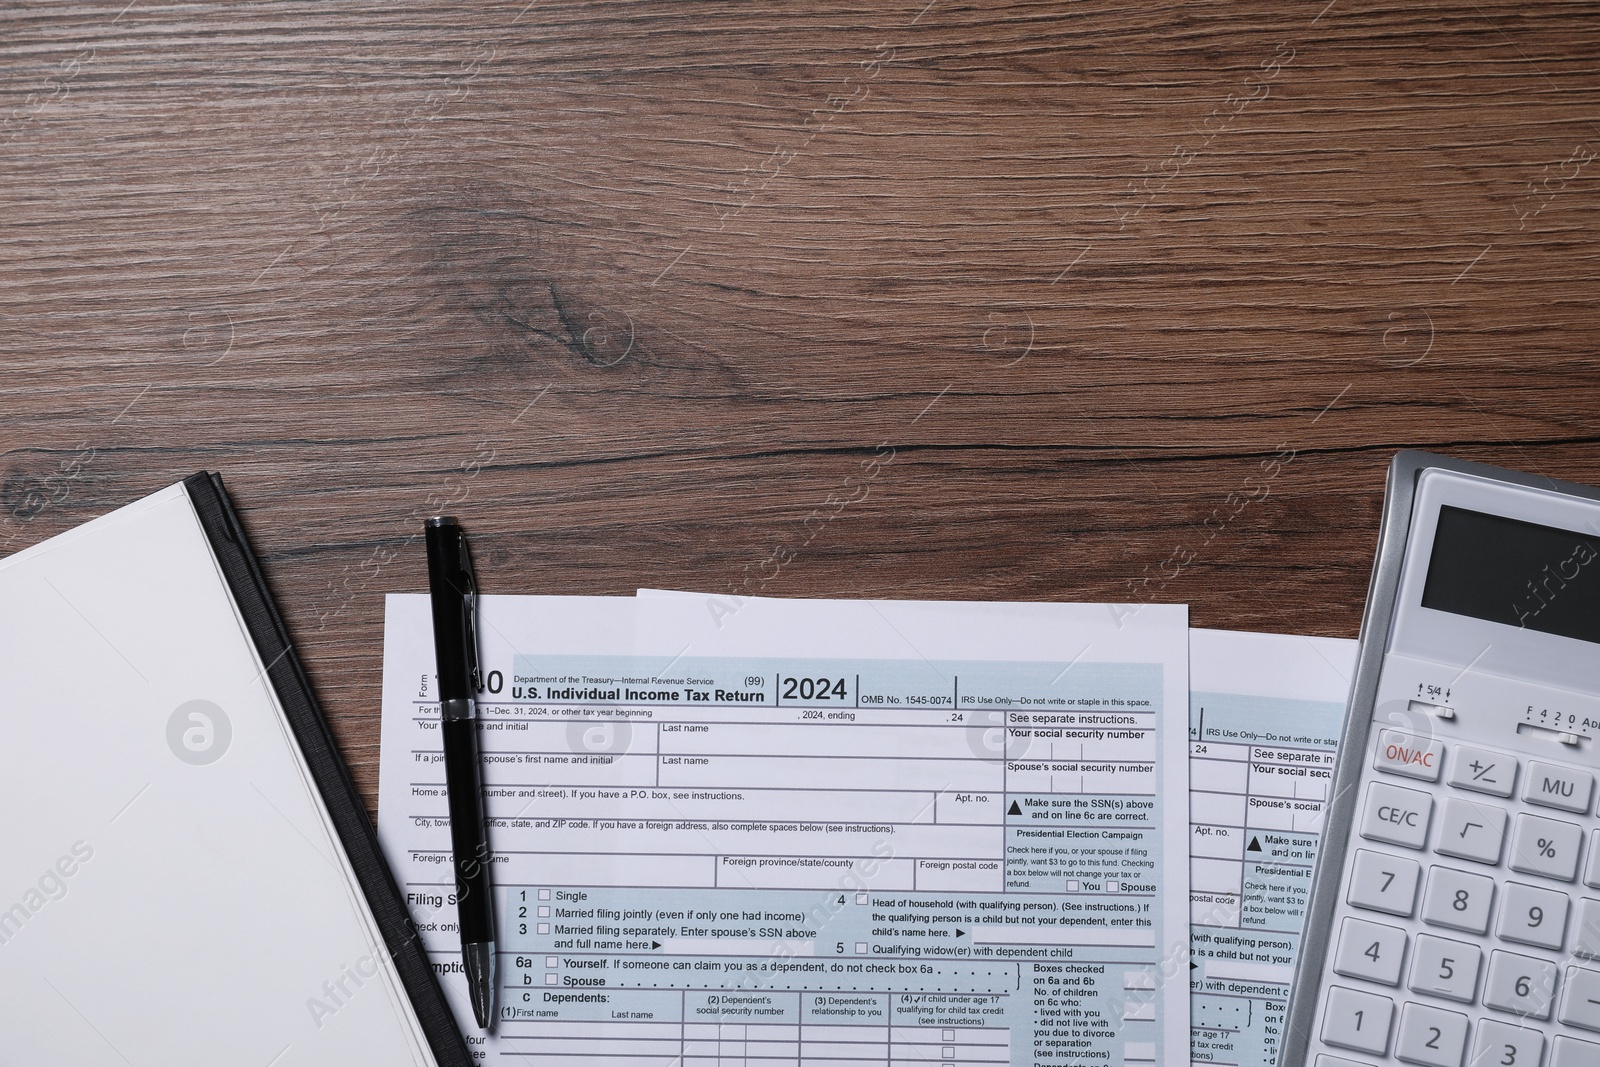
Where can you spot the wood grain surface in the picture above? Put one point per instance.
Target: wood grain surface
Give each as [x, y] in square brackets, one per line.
[1013, 300]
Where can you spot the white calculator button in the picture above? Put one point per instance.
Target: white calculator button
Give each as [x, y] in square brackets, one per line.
[1546, 847]
[1431, 1036]
[1325, 1060]
[1410, 755]
[1503, 1045]
[1533, 916]
[1580, 1000]
[1586, 934]
[1371, 951]
[1570, 1052]
[1482, 771]
[1380, 882]
[1591, 877]
[1445, 968]
[1552, 786]
[1397, 816]
[1471, 831]
[1357, 1020]
[1458, 900]
[1520, 985]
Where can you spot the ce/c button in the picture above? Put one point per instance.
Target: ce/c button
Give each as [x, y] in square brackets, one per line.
[1396, 816]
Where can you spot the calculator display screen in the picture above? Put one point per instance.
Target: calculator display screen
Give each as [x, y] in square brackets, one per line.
[1513, 572]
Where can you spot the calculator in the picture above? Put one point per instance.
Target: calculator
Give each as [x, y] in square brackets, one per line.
[1454, 912]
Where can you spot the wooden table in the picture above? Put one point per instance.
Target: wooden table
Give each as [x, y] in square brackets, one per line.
[1010, 300]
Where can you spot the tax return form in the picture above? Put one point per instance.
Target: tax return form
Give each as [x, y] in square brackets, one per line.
[866, 832]
[1265, 713]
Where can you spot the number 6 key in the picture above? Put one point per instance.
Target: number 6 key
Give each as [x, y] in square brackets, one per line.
[1520, 985]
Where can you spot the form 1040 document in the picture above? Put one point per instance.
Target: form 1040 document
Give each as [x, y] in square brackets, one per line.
[839, 833]
[1265, 713]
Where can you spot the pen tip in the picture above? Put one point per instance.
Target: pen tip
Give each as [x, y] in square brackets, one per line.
[441, 520]
[480, 973]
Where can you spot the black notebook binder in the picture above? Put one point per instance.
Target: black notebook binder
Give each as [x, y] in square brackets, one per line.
[243, 575]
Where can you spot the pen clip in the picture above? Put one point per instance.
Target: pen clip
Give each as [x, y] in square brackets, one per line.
[469, 616]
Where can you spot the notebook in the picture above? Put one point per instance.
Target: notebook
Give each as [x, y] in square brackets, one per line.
[187, 874]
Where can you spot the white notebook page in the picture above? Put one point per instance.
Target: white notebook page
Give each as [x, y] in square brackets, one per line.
[171, 890]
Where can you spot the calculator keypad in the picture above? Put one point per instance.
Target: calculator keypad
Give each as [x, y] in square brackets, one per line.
[1446, 962]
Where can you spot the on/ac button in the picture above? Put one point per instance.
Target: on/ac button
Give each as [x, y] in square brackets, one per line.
[1415, 757]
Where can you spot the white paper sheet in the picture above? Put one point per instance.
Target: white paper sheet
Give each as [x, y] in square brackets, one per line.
[171, 891]
[878, 831]
[1266, 711]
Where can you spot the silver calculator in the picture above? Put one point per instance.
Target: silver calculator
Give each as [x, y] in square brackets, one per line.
[1454, 914]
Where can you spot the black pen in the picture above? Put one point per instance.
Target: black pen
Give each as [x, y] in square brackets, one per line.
[454, 589]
